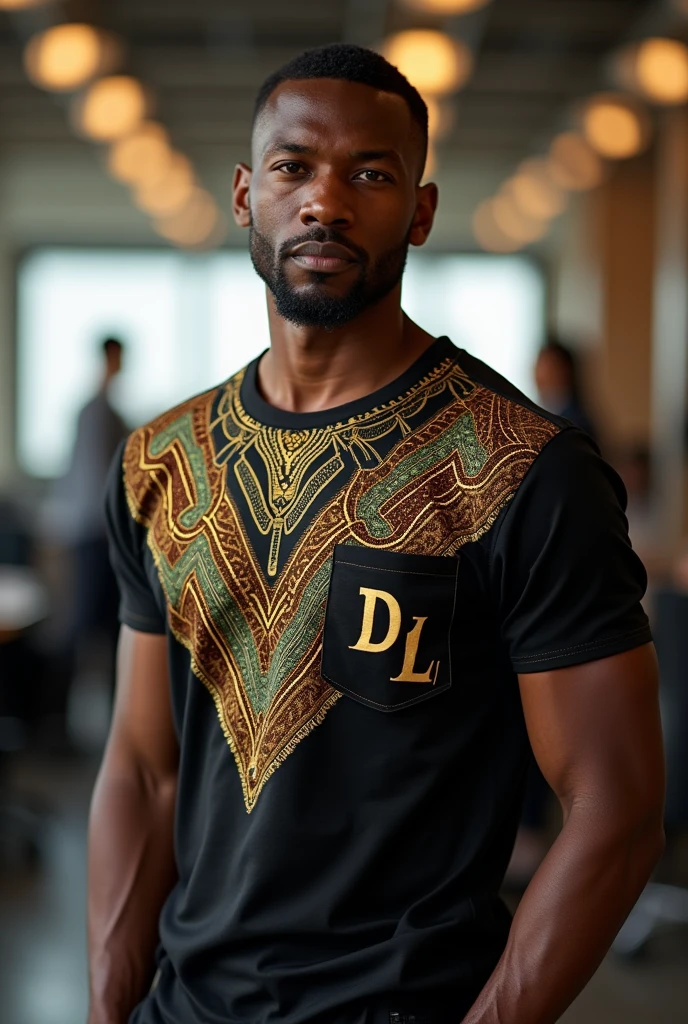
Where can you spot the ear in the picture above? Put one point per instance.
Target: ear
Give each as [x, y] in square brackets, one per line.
[241, 206]
[426, 206]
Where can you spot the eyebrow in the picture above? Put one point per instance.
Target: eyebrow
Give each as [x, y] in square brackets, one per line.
[377, 154]
[281, 146]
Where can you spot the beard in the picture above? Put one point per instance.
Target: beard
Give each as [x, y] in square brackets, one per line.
[312, 306]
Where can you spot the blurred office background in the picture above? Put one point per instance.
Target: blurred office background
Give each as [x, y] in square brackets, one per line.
[560, 145]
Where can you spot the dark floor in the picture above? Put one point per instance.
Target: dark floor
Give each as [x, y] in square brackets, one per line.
[42, 941]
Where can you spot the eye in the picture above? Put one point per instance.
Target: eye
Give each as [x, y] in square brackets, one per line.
[372, 176]
[291, 167]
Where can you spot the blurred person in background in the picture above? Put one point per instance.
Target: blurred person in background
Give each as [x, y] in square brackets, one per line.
[80, 519]
[314, 776]
[557, 379]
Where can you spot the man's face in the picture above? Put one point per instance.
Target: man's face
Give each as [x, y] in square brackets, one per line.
[333, 200]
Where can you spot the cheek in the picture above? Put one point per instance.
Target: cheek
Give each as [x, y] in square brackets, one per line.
[272, 214]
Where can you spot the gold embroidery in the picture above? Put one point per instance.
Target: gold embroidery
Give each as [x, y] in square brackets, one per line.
[257, 647]
[292, 459]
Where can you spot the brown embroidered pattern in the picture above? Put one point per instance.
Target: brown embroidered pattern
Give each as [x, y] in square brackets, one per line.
[256, 646]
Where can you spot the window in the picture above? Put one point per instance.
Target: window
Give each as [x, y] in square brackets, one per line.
[191, 321]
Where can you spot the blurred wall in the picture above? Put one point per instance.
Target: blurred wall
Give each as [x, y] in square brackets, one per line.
[603, 284]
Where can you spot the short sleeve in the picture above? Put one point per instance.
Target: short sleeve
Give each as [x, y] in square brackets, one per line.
[138, 606]
[563, 574]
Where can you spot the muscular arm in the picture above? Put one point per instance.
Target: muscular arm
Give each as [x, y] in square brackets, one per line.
[131, 861]
[596, 735]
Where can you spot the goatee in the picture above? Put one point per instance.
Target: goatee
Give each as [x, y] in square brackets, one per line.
[312, 306]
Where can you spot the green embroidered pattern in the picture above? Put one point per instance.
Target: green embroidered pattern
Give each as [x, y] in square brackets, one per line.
[460, 438]
[182, 430]
[256, 645]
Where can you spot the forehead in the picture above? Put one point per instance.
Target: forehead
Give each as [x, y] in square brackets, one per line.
[335, 113]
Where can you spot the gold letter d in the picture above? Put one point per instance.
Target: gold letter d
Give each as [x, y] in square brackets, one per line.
[364, 642]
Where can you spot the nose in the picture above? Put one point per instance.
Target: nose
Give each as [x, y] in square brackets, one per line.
[325, 202]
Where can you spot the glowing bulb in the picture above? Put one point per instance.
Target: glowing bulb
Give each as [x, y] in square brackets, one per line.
[661, 69]
[573, 164]
[614, 127]
[537, 195]
[431, 60]
[171, 193]
[17, 5]
[142, 158]
[514, 223]
[110, 108]
[447, 7]
[67, 56]
[194, 223]
[487, 232]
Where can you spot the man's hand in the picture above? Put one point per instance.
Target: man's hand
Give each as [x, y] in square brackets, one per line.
[596, 734]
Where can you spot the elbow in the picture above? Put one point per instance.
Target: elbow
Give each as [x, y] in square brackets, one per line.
[646, 838]
[631, 833]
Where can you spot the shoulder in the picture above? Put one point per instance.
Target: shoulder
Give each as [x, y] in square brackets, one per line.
[505, 395]
[168, 463]
[507, 431]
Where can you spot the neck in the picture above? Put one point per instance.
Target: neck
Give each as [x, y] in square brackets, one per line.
[308, 369]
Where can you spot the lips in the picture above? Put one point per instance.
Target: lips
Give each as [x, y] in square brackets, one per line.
[326, 250]
[324, 257]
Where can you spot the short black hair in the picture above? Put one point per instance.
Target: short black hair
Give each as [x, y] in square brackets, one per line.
[351, 64]
[108, 344]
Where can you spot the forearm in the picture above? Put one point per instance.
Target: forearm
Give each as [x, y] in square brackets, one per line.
[131, 871]
[567, 920]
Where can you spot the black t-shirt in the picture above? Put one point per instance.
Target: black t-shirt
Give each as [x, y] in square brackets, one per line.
[348, 598]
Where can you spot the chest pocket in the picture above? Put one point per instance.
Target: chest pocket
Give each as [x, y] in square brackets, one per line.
[387, 626]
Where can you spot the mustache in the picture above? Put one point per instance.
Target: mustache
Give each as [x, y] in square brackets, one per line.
[323, 235]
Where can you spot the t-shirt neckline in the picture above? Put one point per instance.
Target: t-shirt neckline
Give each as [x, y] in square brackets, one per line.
[269, 415]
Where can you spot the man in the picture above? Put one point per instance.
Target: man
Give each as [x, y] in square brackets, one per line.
[79, 518]
[351, 576]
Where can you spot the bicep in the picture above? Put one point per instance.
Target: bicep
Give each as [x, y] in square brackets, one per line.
[142, 735]
[596, 734]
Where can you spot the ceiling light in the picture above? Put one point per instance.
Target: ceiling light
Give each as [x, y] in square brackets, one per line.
[67, 56]
[573, 164]
[447, 6]
[110, 108]
[614, 126]
[194, 223]
[142, 158]
[661, 70]
[17, 5]
[432, 61]
[516, 224]
[536, 194]
[171, 193]
[487, 232]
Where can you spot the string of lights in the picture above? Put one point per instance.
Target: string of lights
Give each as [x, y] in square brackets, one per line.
[115, 111]
[607, 127]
